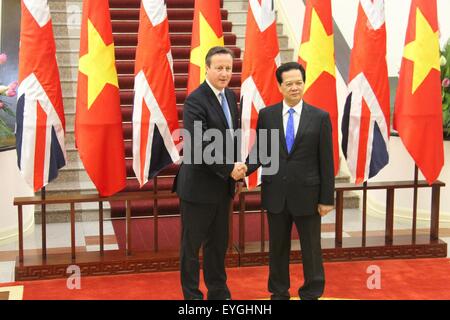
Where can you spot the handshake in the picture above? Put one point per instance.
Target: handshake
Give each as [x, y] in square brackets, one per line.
[239, 171]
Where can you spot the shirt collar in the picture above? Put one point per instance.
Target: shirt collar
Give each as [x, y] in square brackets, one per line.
[297, 108]
[216, 92]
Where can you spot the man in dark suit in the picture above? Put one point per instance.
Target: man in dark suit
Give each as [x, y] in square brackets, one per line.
[206, 180]
[302, 189]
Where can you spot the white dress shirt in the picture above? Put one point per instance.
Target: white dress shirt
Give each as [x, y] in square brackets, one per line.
[296, 115]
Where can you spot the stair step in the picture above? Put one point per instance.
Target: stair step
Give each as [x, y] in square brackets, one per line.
[174, 26]
[235, 5]
[172, 14]
[127, 114]
[170, 3]
[73, 16]
[283, 42]
[62, 28]
[71, 56]
[239, 28]
[181, 66]
[62, 214]
[130, 39]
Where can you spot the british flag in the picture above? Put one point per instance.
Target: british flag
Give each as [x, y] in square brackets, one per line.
[259, 86]
[155, 117]
[365, 123]
[40, 124]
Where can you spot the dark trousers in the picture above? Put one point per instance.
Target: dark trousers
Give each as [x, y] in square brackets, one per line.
[308, 227]
[207, 225]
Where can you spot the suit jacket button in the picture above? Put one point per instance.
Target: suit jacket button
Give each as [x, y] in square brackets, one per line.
[284, 178]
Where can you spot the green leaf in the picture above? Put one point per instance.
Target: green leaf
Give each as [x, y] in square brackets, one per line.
[9, 112]
[4, 129]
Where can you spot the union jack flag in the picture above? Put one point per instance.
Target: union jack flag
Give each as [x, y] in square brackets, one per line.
[40, 124]
[155, 117]
[365, 123]
[259, 86]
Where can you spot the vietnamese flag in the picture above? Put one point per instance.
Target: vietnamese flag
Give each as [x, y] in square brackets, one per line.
[418, 104]
[98, 121]
[316, 54]
[206, 33]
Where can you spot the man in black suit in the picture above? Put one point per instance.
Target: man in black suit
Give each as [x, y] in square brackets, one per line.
[206, 180]
[302, 189]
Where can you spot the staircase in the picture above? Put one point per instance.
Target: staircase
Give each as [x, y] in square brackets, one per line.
[125, 20]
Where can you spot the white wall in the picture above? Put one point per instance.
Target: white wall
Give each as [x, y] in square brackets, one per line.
[12, 185]
[401, 167]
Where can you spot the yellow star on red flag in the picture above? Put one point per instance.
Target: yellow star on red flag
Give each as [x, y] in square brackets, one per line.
[98, 64]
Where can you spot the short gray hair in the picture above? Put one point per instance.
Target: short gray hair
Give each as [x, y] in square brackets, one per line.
[217, 50]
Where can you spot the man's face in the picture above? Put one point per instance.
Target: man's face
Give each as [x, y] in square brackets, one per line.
[292, 86]
[220, 70]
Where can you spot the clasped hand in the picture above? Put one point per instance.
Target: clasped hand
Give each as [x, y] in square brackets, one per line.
[239, 171]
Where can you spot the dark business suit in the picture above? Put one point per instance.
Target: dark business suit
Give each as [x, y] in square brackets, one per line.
[205, 192]
[305, 178]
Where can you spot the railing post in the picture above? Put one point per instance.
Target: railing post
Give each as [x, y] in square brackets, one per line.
[128, 226]
[20, 218]
[44, 231]
[155, 214]
[364, 215]
[435, 198]
[389, 232]
[263, 232]
[72, 229]
[100, 226]
[241, 222]
[230, 226]
[339, 218]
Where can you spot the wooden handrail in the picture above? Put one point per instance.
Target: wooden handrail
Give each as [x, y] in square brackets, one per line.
[82, 198]
[155, 195]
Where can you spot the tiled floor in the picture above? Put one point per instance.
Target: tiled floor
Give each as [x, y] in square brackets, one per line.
[87, 236]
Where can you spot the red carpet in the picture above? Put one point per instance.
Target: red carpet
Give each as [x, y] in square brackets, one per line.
[400, 279]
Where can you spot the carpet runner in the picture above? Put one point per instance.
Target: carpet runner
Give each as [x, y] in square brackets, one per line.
[398, 279]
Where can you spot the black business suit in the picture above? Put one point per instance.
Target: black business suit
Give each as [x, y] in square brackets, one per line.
[305, 178]
[205, 192]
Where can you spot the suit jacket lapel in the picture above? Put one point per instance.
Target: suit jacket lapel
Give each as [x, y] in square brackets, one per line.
[303, 125]
[215, 103]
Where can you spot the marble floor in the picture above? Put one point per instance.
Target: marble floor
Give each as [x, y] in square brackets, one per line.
[87, 236]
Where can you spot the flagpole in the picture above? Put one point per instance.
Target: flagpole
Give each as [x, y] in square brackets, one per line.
[416, 175]
[43, 224]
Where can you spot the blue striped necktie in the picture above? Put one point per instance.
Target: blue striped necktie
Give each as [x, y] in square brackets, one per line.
[290, 130]
[226, 109]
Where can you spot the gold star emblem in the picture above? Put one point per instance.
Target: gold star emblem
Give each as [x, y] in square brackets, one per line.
[318, 52]
[423, 51]
[208, 39]
[98, 64]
